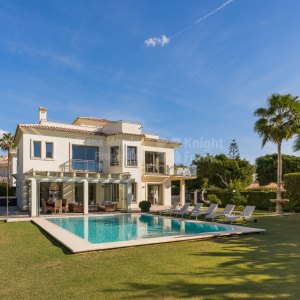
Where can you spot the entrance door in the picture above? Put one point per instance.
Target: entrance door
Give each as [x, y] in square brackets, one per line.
[155, 194]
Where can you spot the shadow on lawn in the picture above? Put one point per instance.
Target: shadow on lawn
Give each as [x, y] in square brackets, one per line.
[253, 266]
[53, 241]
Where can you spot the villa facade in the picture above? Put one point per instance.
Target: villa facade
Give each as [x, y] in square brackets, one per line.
[94, 160]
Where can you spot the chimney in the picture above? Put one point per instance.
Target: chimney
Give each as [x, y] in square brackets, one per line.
[42, 115]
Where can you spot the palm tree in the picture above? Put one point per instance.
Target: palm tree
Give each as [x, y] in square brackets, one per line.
[7, 144]
[277, 122]
[297, 143]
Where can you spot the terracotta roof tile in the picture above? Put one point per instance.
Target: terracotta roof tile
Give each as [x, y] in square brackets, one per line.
[58, 128]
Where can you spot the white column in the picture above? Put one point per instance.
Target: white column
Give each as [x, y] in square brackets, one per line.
[85, 197]
[182, 192]
[129, 196]
[167, 195]
[98, 186]
[195, 197]
[34, 211]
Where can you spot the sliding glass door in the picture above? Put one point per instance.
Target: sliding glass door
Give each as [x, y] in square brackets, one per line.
[155, 162]
[154, 192]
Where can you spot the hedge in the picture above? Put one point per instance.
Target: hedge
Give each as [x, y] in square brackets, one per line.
[292, 186]
[259, 199]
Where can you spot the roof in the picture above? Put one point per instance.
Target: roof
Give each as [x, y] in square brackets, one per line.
[89, 132]
[255, 185]
[101, 120]
[58, 128]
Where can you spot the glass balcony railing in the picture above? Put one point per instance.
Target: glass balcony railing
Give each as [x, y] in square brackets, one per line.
[87, 165]
[156, 169]
[161, 169]
[82, 165]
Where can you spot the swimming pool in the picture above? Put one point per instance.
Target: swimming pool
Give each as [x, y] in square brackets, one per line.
[125, 227]
[103, 232]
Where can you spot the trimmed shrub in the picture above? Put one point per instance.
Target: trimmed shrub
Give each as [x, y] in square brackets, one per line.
[292, 186]
[212, 198]
[145, 206]
[239, 199]
[257, 198]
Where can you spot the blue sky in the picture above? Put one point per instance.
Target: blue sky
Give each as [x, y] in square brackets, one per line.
[90, 58]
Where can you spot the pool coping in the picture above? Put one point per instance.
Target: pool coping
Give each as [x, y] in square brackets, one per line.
[76, 244]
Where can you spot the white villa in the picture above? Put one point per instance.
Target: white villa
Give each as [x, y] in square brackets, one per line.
[94, 160]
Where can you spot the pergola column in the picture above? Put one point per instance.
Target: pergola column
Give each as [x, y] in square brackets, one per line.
[129, 196]
[85, 197]
[182, 191]
[195, 197]
[33, 192]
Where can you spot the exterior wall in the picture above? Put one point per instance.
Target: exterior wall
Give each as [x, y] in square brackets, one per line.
[13, 170]
[62, 153]
[122, 127]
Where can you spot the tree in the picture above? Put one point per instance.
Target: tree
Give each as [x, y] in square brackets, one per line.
[7, 144]
[222, 171]
[266, 167]
[277, 122]
[234, 152]
[297, 142]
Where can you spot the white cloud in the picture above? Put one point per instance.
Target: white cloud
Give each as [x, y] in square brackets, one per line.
[164, 40]
[155, 41]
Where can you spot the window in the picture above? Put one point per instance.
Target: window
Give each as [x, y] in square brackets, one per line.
[37, 149]
[131, 156]
[49, 150]
[114, 155]
[155, 162]
[86, 158]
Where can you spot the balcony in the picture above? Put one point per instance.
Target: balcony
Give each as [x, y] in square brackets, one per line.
[156, 169]
[161, 169]
[82, 165]
[190, 171]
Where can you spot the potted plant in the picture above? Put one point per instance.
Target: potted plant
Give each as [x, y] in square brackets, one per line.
[145, 206]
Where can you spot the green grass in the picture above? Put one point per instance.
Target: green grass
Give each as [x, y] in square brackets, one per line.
[34, 266]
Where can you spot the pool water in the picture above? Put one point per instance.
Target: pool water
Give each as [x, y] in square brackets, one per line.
[125, 227]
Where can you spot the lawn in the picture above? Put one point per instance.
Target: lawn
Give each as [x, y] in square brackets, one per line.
[265, 265]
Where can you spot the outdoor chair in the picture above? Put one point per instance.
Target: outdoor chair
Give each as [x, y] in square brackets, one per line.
[196, 209]
[184, 210]
[171, 209]
[65, 205]
[58, 206]
[226, 212]
[210, 210]
[46, 208]
[245, 215]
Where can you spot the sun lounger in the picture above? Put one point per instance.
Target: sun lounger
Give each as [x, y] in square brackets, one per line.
[209, 210]
[184, 210]
[245, 214]
[170, 210]
[226, 212]
[196, 209]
